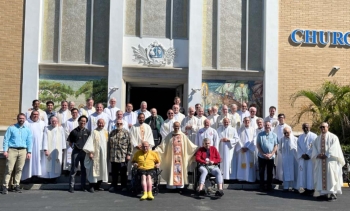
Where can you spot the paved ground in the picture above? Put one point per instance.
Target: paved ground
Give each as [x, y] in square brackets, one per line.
[232, 200]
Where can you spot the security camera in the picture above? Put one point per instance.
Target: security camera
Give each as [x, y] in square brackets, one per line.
[336, 68]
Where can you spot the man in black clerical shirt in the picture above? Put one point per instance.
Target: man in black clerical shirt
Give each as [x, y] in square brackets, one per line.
[77, 139]
[155, 122]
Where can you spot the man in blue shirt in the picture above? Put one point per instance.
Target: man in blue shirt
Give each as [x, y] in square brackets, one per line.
[17, 147]
[267, 146]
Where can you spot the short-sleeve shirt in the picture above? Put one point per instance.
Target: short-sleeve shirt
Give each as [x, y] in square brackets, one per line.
[146, 161]
[78, 137]
[266, 142]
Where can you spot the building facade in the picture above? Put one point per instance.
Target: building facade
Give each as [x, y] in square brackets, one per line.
[211, 52]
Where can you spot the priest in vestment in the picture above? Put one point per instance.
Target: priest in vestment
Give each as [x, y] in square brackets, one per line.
[63, 114]
[112, 124]
[278, 130]
[236, 118]
[200, 118]
[96, 157]
[225, 114]
[245, 151]
[129, 116]
[36, 107]
[88, 109]
[32, 166]
[54, 142]
[328, 159]
[141, 132]
[99, 114]
[207, 132]
[228, 139]
[69, 126]
[167, 126]
[305, 169]
[253, 117]
[287, 152]
[143, 109]
[176, 152]
[177, 115]
[189, 125]
[213, 117]
[112, 109]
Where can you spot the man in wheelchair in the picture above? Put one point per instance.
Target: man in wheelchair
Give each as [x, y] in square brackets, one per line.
[146, 161]
[208, 158]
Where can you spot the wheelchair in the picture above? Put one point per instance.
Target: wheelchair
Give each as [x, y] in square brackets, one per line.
[210, 186]
[136, 186]
[346, 169]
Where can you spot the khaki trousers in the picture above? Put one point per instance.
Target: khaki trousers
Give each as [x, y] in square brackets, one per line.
[15, 160]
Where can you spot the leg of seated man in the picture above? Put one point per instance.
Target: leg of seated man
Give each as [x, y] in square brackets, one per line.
[149, 187]
[217, 173]
[144, 187]
[204, 173]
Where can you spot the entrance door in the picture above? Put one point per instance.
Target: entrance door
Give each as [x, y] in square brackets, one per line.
[160, 98]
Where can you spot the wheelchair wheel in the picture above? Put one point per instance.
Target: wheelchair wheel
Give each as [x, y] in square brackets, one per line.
[155, 191]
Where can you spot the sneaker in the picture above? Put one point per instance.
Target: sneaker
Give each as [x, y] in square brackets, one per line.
[144, 196]
[219, 193]
[91, 190]
[4, 190]
[71, 190]
[17, 189]
[150, 195]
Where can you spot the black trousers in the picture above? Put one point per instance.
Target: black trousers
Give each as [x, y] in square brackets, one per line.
[78, 156]
[119, 169]
[264, 163]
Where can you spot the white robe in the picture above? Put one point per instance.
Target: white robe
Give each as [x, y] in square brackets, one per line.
[167, 127]
[200, 122]
[86, 112]
[63, 117]
[305, 169]
[253, 122]
[54, 142]
[146, 113]
[179, 117]
[213, 119]
[243, 114]
[42, 116]
[96, 168]
[70, 125]
[112, 112]
[278, 130]
[112, 125]
[226, 150]
[130, 117]
[93, 118]
[333, 165]
[272, 120]
[287, 152]
[190, 121]
[246, 161]
[136, 137]
[32, 167]
[209, 133]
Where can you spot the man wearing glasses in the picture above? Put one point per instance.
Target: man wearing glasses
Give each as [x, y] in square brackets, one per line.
[167, 125]
[253, 117]
[328, 159]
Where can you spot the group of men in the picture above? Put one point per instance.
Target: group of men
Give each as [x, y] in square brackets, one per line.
[245, 143]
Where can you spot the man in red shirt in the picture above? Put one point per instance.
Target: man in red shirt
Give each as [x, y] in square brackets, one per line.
[208, 158]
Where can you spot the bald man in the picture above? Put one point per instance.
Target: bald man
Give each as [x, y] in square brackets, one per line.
[207, 132]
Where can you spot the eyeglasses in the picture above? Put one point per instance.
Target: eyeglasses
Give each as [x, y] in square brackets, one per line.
[285, 133]
[322, 127]
[119, 124]
[170, 113]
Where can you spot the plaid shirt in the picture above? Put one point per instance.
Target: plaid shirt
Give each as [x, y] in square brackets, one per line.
[119, 145]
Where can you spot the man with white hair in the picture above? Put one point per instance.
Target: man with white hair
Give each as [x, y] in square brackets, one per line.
[129, 116]
[253, 117]
[112, 109]
[328, 159]
[71, 105]
[287, 151]
[99, 114]
[235, 116]
[225, 114]
[88, 109]
[213, 117]
[244, 111]
[189, 125]
[207, 132]
[143, 109]
[246, 152]
[167, 125]
[200, 118]
[228, 139]
[119, 116]
[178, 117]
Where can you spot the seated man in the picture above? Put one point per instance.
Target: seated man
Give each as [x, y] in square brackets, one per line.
[145, 161]
[208, 158]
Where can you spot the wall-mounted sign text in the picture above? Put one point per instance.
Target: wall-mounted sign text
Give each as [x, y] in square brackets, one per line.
[314, 37]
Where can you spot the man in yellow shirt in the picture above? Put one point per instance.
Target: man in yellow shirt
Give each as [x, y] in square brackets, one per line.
[145, 161]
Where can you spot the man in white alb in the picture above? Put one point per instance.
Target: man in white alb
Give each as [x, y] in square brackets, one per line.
[244, 111]
[129, 116]
[112, 109]
[88, 109]
[69, 126]
[71, 105]
[63, 114]
[141, 132]
[112, 124]
[228, 139]
[189, 125]
[143, 109]
[177, 115]
[207, 132]
[253, 117]
[167, 125]
[213, 117]
[36, 107]
[225, 114]
[200, 119]
[272, 117]
[99, 114]
[235, 116]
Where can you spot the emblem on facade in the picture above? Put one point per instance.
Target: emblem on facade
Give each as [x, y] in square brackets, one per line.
[155, 55]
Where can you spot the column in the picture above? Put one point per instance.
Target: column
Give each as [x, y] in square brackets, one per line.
[116, 86]
[195, 53]
[270, 57]
[31, 53]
